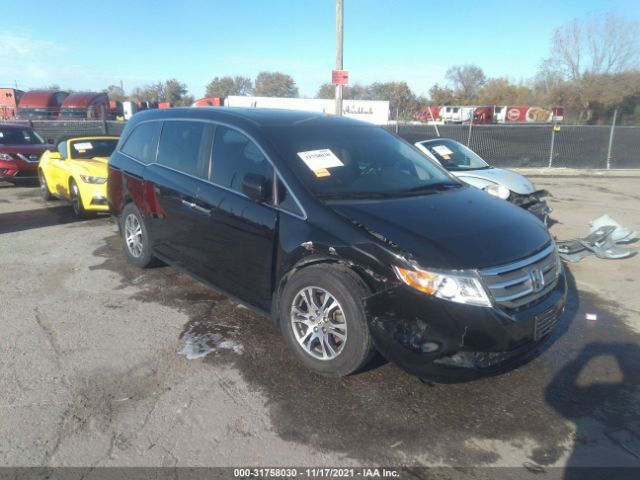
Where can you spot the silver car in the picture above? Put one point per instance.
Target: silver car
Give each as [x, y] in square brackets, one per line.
[467, 165]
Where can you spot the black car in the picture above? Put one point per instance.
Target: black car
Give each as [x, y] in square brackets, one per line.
[342, 233]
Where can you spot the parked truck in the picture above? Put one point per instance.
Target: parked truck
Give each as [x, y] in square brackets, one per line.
[85, 106]
[41, 104]
[9, 98]
[527, 114]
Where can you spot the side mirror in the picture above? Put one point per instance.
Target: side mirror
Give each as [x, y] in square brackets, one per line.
[254, 186]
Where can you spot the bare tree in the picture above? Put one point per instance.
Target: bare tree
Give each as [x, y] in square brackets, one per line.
[467, 81]
[597, 45]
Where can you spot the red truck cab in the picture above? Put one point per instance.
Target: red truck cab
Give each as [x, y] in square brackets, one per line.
[9, 98]
[41, 104]
[85, 106]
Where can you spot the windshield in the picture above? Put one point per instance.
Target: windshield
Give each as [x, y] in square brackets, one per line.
[90, 148]
[20, 136]
[453, 155]
[356, 162]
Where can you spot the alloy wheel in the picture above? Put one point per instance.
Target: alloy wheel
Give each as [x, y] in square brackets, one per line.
[133, 235]
[318, 323]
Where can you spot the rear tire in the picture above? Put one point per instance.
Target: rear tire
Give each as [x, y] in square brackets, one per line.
[135, 237]
[44, 188]
[323, 322]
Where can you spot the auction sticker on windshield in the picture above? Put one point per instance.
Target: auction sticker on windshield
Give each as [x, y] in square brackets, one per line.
[81, 147]
[318, 160]
[442, 150]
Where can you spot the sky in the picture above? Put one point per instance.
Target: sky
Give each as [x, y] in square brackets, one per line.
[88, 45]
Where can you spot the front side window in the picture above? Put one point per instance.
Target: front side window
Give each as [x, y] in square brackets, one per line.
[142, 142]
[356, 161]
[184, 146]
[234, 156]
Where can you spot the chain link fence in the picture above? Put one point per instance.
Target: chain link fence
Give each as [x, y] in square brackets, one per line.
[570, 146]
[57, 129]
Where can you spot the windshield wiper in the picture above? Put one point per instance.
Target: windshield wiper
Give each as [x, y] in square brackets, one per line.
[354, 195]
[431, 187]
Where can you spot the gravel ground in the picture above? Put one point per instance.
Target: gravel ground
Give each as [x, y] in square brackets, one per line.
[102, 364]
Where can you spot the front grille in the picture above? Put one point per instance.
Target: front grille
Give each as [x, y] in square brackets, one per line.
[29, 157]
[544, 323]
[523, 283]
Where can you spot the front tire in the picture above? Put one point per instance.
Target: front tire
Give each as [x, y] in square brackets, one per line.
[76, 199]
[322, 319]
[44, 188]
[135, 237]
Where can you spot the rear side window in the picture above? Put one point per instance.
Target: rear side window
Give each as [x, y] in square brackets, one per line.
[184, 146]
[235, 155]
[142, 142]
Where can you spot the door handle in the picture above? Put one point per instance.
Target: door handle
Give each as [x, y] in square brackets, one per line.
[206, 211]
[198, 208]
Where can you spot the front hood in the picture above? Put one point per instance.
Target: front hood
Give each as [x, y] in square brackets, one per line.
[513, 181]
[458, 229]
[25, 149]
[95, 167]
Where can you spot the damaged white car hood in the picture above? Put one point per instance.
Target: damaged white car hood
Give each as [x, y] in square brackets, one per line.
[481, 178]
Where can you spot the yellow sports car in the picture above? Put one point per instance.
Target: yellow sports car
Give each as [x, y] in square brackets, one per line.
[76, 171]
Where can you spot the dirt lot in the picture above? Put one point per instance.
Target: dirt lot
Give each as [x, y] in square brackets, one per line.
[95, 368]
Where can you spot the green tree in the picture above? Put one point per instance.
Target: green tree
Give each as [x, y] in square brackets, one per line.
[223, 87]
[441, 95]
[171, 91]
[175, 92]
[354, 92]
[275, 84]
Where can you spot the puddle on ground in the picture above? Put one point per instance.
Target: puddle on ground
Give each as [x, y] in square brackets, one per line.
[202, 337]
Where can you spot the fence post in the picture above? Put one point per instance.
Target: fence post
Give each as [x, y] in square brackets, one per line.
[104, 126]
[613, 129]
[470, 125]
[553, 141]
[434, 121]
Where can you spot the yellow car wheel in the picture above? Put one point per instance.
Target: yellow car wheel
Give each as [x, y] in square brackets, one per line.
[76, 199]
[44, 188]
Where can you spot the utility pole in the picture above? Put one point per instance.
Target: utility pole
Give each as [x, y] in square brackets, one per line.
[339, 63]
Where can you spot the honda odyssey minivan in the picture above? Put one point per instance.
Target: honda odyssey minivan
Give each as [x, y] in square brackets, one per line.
[346, 236]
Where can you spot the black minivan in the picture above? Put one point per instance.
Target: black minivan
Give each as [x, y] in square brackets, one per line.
[348, 237]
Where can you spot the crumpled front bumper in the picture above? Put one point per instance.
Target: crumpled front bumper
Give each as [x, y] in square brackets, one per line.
[534, 203]
[447, 342]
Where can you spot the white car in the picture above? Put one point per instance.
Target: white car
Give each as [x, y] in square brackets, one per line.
[467, 165]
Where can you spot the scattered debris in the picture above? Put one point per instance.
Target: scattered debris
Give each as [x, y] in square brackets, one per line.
[603, 241]
[591, 316]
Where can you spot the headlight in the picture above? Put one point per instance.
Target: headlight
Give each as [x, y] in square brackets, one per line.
[459, 287]
[89, 179]
[498, 190]
[5, 156]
